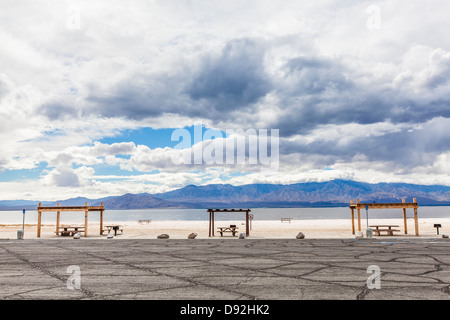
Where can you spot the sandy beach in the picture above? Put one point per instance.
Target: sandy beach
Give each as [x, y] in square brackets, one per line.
[264, 229]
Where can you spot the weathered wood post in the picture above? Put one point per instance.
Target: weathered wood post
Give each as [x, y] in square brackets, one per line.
[39, 221]
[416, 218]
[358, 210]
[101, 218]
[247, 230]
[404, 218]
[57, 220]
[86, 210]
[353, 216]
[210, 223]
[212, 228]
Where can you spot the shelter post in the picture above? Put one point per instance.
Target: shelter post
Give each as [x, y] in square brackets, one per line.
[353, 217]
[39, 221]
[212, 224]
[57, 220]
[86, 210]
[101, 217]
[247, 231]
[358, 210]
[404, 218]
[416, 218]
[210, 217]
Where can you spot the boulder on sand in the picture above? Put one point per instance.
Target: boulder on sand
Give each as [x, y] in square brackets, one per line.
[300, 235]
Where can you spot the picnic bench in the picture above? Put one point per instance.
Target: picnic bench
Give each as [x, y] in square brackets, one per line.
[286, 220]
[115, 228]
[232, 229]
[69, 230]
[384, 228]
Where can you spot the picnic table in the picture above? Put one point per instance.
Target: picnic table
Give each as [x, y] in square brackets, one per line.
[69, 230]
[114, 227]
[231, 228]
[384, 228]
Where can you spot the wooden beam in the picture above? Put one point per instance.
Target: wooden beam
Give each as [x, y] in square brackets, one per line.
[229, 210]
[247, 230]
[57, 220]
[353, 220]
[77, 208]
[210, 217]
[404, 218]
[358, 212]
[39, 223]
[212, 223]
[385, 205]
[416, 218]
[101, 219]
[86, 220]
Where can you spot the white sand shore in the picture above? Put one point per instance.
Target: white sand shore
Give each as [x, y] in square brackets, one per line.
[264, 229]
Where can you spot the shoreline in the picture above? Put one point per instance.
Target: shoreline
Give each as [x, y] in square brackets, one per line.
[260, 229]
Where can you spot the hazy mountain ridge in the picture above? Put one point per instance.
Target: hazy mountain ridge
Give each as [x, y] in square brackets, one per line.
[330, 193]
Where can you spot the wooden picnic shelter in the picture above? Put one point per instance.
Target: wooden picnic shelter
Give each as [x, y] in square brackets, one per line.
[58, 209]
[403, 205]
[211, 219]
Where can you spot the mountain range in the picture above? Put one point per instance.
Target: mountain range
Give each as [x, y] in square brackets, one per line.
[308, 194]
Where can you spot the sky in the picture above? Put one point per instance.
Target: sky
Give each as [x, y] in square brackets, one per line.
[100, 98]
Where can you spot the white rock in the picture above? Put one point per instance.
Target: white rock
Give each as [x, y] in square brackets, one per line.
[242, 236]
[359, 235]
[77, 235]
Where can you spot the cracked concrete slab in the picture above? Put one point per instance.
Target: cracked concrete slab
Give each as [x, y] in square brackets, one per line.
[210, 269]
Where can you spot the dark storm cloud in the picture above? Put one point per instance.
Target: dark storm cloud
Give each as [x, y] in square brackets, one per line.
[137, 97]
[57, 111]
[401, 149]
[311, 92]
[317, 92]
[440, 60]
[131, 103]
[233, 80]
[236, 79]
[314, 75]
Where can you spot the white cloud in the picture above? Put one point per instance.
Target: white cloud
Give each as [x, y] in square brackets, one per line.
[341, 94]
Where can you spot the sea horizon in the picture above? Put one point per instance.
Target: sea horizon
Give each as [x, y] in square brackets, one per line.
[168, 214]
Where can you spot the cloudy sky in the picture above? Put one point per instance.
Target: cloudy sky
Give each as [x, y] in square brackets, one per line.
[91, 92]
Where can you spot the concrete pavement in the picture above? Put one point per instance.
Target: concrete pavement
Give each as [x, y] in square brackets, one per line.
[226, 269]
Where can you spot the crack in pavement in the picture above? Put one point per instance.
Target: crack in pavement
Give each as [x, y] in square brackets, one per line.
[87, 293]
[150, 270]
[255, 269]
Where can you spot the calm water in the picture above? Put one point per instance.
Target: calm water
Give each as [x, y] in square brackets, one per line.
[15, 217]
